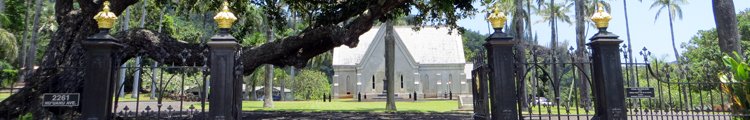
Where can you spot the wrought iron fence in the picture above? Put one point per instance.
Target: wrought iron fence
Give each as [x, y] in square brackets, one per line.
[559, 86]
[479, 88]
[175, 91]
[554, 85]
[663, 90]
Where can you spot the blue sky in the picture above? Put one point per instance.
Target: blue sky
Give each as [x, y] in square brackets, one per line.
[644, 31]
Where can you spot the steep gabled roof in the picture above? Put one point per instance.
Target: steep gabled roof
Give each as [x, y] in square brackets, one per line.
[427, 46]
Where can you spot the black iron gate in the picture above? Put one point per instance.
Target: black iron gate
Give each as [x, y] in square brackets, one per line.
[163, 91]
[554, 88]
[562, 88]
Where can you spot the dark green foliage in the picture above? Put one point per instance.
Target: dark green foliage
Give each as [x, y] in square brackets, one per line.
[740, 76]
[15, 11]
[473, 44]
[8, 75]
[310, 85]
[704, 57]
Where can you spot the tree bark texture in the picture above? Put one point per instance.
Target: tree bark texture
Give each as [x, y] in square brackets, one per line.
[268, 86]
[726, 26]
[61, 72]
[581, 56]
[31, 53]
[520, 55]
[390, 67]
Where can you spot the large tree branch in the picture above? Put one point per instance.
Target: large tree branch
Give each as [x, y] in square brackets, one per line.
[297, 50]
[64, 57]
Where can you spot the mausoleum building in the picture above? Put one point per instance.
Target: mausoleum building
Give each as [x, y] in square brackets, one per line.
[429, 62]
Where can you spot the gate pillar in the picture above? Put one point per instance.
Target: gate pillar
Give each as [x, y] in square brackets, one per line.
[224, 104]
[502, 85]
[98, 83]
[607, 73]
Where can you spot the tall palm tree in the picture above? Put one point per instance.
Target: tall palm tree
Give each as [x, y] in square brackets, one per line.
[552, 13]
[726, 26]
[580, 14]
[519, 15]
[31, 54]
[674, 10]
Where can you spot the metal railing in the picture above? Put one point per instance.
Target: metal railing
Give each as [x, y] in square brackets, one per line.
[171, 91]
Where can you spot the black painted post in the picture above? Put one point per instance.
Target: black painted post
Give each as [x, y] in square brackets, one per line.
[502, 86]
[607, 73]
[415, 95]
[98, 84]
[608, 80]
[450, 95]
[222, 104]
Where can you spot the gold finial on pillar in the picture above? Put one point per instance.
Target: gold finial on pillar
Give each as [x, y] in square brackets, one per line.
[225, 18]
[601, 18]
[497, 18]
[105, 19]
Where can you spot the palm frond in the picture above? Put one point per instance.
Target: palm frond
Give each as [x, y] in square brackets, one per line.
[8, 46]
[677, 11]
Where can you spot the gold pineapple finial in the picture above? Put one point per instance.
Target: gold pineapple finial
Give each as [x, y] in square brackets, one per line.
[497, 18]
[225, 18]
[105, 19]
[601, 18]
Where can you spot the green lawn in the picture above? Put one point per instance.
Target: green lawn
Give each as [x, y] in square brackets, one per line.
[4, 95]
[351, 106]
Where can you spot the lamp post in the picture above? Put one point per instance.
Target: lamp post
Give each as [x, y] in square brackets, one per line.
[416, 83]
[359, 83]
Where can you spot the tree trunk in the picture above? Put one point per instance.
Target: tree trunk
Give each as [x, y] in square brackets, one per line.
[253, 83]
[582, 57]
[671, 31]
[555, 74]
[282, 84]
[31, 53]
[144, 12]
[2, 6]
[726, 26]
[520, 52]
[293, 75]
[389, 66]
[268, 96]
[23, 49]
[65, 51]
